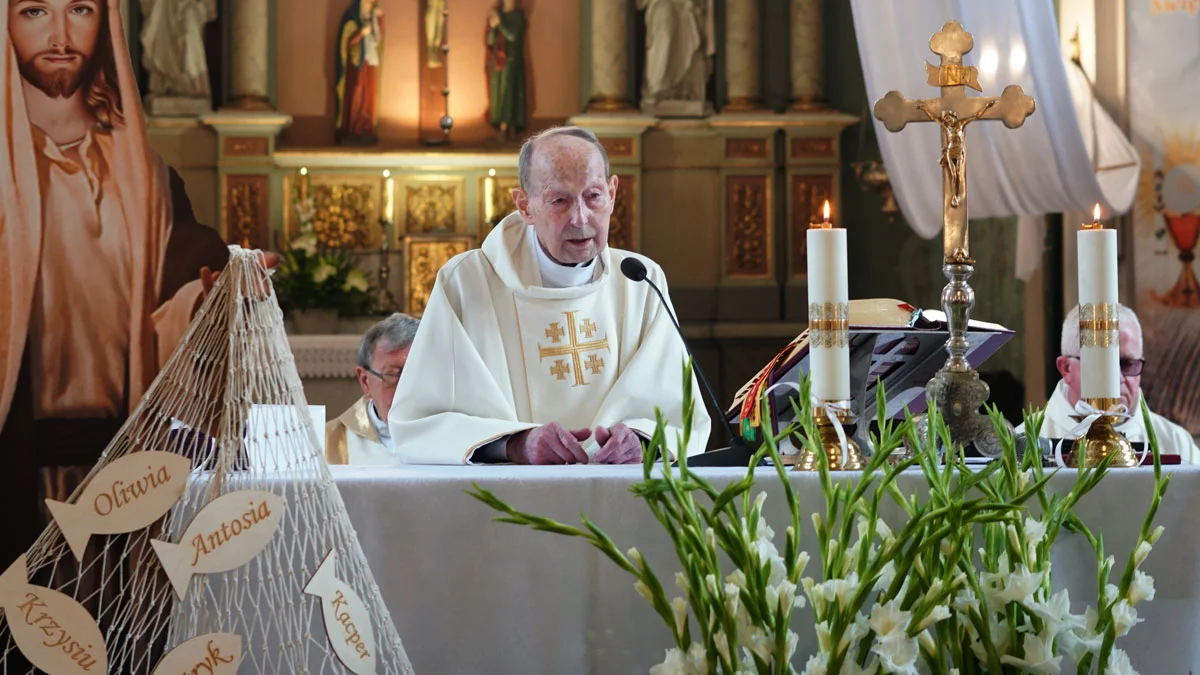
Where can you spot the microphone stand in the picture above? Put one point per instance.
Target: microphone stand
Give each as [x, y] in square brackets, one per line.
[738, 453]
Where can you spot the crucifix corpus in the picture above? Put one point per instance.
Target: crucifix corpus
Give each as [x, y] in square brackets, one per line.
[957, 388]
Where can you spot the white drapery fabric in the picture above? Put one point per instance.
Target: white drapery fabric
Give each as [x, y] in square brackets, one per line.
[1067, 156]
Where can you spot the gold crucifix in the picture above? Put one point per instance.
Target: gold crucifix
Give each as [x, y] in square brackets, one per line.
[953, 111]
[574, 348]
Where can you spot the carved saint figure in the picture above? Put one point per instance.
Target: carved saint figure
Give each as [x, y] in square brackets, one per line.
[954, 155]
[173, 46]
[679, 47]
[359, 55]
[506, 68]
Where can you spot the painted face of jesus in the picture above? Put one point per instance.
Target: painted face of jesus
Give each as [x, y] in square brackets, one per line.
[570, 200]
[54, 41]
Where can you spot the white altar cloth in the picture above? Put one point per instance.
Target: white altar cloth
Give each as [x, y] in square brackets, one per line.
[471, 596]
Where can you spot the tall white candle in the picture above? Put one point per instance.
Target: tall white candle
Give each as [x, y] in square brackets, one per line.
[1100, 349]
[828, 311]
[303, 184]
[489, 197]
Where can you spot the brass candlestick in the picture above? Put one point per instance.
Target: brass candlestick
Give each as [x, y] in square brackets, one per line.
[806, 460]
[1102, 440]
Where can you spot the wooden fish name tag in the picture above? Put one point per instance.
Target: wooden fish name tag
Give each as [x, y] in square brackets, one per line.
[54, 632]
[347, 619]
[226, 534]
[127, 495]
[212, 654]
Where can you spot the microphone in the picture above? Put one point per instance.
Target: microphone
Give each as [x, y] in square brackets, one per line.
[737, 454]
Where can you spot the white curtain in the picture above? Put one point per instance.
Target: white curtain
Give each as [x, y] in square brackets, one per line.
[1067, 156]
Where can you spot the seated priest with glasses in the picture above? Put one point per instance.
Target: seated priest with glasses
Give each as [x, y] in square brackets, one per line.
[534, 348]
[1172, 438]
[361, 435]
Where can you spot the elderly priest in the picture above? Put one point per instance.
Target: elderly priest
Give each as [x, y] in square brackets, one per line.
[1172, 438]
[534, 349]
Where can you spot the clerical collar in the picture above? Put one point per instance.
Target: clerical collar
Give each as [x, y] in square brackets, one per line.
[381, 427]
[556, 274]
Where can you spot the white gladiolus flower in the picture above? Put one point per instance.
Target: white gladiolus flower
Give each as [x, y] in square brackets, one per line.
[939, 613]
[1139, 556]
[786, 592]
[925, 640]
[898, 654]
[675, 664]
[1118, 663]
[1057, 616]
[356, 281]
[1014, 539]
[1039, 658]
[1141, 588]
[681, 581]
[758, 501]
[818, 664]
[306, 243]
[737, 578]
[824, 637]
[1035, 531]
[1024, 478]
[1110, 593]
[965, 601]
[1158, 531]
[323, 272]
[888, 619]
[886, 576]
[679, 605]
[722, 644]
[644, 591]
[759, 643]
[635, 556]
[802, 561]
[1021, 585]
[1124, 617]
[697, 659]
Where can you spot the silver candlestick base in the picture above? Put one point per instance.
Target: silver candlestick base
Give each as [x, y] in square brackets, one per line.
[956, 389]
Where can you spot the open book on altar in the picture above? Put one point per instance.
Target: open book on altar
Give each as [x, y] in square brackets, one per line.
[891, 342]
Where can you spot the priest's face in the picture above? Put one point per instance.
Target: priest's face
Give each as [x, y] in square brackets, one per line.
[1131, 362]
[570, 200]
[54, 41]
[379, 383]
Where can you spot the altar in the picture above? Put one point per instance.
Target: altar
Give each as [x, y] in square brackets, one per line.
[471, 596]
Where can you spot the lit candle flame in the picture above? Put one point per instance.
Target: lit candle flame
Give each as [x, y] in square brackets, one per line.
[386, 173]
[304, 171]
[1096, 213]
[826, 210]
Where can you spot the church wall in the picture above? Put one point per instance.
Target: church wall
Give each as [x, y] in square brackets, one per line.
[306, 38]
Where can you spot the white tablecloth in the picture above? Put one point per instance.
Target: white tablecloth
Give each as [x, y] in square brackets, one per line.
[471, 596]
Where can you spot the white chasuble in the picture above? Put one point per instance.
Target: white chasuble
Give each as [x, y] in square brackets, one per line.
[498, 353]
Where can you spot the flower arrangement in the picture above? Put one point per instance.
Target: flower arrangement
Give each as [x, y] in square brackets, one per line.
[312, 277]
[916, 596]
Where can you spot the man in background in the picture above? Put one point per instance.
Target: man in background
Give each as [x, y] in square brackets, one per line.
[360, 435]
[1172, 438]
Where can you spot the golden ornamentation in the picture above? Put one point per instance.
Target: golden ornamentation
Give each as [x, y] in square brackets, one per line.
[829, 324]
[952, 75]
[806, 460]
[575, 349]
[1099, 325]
[502, 201]
[748, 226]
[243, 215]
[346, 215]
[1102, 440]
[620, 224]
[808, 193]
[425, 257]
[555, 332]
[431, 208]
[587, 328]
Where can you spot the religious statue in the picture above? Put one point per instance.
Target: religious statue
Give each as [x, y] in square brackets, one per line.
[435, 32]
[954, 155]
[680, 43]
[359, 55]
[506, 68]
[173, 54]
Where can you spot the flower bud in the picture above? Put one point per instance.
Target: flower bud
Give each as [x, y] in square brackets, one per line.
[1139, 556]
[1156, 534]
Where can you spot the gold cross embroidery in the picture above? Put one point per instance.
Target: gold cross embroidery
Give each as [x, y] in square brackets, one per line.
[560, 369]
[574, 349]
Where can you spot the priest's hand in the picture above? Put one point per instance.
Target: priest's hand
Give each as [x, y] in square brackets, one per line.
[618, 445]
[548, 444]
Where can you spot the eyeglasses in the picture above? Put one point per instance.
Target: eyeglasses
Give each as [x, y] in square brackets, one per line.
[390, 379]
[1129, 367]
